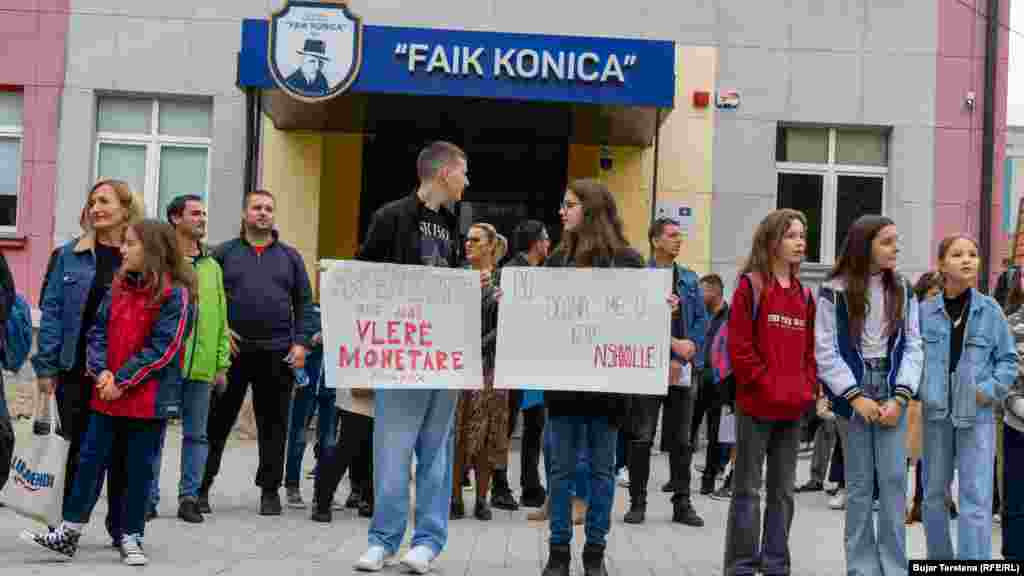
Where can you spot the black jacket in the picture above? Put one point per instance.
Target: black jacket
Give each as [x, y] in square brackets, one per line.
[593, 404]
[394, 234]
[269, 297]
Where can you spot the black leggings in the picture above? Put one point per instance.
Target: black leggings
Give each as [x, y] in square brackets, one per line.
[354, 450]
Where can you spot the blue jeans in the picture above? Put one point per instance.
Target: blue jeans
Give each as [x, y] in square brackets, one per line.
[195, 411]
[570, 434]
[138, 442]
[873, 449]
[411, 422]
[972, 451]
[302, 407]
[579, 485]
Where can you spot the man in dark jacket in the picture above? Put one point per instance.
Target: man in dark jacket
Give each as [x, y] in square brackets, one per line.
[415, 230]
[268, 297]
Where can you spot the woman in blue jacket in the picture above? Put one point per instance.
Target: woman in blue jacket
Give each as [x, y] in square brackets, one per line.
[80, 277]
[970, 363]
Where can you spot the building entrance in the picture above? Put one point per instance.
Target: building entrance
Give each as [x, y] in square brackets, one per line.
[509, 181]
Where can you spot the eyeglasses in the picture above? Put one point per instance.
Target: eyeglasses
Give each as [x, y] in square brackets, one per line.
[569, 205]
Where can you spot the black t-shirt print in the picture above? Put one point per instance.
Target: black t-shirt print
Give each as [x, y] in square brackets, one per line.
[435, 239]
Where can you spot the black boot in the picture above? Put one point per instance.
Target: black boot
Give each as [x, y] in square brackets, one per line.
[639, 474]
[559, 561]
[203, 502]
[501, 493]
[683, 513]
[593, 560]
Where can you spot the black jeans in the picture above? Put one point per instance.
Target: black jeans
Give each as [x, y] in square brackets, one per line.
[353, 450]
[679, 408]
[529, 453]
[272, 382]
[708, 404]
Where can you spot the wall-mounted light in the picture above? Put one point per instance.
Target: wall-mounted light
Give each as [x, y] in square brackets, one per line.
[701, 98]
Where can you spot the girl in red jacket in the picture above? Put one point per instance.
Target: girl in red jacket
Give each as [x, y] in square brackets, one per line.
[134, 356]
[771, 347]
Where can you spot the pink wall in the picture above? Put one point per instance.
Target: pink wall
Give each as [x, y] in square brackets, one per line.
[960, 69]
[32, 39]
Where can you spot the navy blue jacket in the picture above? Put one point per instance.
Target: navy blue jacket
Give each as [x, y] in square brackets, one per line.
[269, 297]
[840, 365]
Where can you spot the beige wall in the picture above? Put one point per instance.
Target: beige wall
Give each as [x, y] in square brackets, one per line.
[291, 171]
[684, 165]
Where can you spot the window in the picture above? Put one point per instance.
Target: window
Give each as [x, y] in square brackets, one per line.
[160, 147]
[833, 176]
[10, 159]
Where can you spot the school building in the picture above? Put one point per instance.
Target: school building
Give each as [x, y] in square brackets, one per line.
[714, 111]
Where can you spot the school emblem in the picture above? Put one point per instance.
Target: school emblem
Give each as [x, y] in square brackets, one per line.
[316, 49]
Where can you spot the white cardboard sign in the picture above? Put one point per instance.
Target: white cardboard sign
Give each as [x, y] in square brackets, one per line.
[394, 326]
[589, 330]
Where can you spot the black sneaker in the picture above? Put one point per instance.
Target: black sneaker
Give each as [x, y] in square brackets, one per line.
[270, 503]
[504, 501]
[707, 486]
[533, 498]
[203, 502]
[61, 540]
[321, 515]
[458, 511]
[668, 488]
[151, 514]
[188, 511]
[354, 498]
[365, 509]
[683, 513]
[482, 511]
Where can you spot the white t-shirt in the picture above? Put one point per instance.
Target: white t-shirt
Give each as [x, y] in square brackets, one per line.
[873, 342]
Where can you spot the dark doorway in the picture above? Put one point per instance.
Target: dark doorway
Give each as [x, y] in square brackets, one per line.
[509, 181]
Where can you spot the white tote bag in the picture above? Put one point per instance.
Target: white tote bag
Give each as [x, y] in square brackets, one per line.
[36, 485]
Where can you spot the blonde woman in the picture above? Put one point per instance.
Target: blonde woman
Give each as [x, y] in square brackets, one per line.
[482, 415]
[82, 272]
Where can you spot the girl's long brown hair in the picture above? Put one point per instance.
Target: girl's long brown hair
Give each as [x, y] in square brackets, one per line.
[767, 239]
[162, 260]
[599, 235]
[854, 268]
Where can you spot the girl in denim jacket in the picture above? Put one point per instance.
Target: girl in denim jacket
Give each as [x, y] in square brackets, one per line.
[970, 363]
[869, 356]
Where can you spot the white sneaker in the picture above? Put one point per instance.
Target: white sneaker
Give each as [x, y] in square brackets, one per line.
[623, 478]
[838, 502]
[418, 560]
[374, 559]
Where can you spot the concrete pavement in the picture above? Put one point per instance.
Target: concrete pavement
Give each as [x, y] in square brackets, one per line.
[236, 541]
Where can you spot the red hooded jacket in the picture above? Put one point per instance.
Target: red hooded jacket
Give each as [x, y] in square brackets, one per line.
[773, 357]
[141, 343]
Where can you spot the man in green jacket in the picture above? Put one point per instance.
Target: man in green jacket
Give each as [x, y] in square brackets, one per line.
[206, 361]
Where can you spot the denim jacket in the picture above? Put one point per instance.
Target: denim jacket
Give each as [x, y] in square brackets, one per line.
[62, 307]
[693, 322]
[987, 364]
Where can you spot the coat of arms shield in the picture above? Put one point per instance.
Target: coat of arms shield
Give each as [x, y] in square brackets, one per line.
[316, 49]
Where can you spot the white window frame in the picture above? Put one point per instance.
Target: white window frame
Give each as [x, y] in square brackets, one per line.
[154, 143]
[15, 132]
[830, 186]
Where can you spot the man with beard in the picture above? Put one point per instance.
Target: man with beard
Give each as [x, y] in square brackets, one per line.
[207, 356]
[268, 302]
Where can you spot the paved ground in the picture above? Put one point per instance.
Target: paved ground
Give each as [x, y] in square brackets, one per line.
[236, 541]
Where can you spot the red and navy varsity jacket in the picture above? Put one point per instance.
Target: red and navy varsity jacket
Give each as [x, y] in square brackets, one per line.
[141, 343]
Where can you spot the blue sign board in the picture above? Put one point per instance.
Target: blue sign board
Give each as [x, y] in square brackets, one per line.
[531, 67]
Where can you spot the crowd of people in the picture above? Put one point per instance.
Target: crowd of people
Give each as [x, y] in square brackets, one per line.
[142, 322]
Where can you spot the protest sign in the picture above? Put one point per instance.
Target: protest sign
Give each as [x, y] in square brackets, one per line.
[393, 326]
[589, 330]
